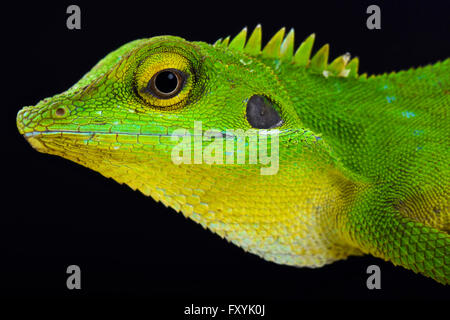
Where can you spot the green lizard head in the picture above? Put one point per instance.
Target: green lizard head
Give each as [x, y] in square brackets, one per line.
[162, 84]
[127, 115]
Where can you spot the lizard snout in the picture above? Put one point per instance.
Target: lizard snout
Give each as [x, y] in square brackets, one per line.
[22, 119]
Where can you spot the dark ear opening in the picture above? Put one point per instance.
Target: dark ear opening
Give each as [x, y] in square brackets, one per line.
[261, 113]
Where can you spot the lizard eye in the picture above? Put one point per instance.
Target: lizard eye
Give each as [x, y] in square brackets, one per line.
[168, 80]
[166, 83]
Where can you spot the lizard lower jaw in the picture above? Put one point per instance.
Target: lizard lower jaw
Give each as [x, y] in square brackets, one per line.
[36, 144]
[34, 139]
[43, 141]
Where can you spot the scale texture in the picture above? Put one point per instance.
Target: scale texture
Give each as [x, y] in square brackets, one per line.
[363, 161]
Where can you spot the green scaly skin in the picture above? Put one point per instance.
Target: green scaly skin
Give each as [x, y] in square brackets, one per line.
[363, 162]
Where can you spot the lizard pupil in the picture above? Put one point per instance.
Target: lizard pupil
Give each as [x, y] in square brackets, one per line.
[166, 82]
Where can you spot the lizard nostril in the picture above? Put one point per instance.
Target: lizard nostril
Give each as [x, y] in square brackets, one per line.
[60, 112]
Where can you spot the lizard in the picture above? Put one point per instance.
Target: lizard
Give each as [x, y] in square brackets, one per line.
[363, 161]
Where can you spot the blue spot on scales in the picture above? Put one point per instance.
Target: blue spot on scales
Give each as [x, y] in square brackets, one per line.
[390, 99]
[408, 114]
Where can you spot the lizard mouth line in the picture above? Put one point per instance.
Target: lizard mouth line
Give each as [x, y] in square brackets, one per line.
[35, 134]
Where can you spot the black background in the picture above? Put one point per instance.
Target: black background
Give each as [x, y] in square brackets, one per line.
[56, 213]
